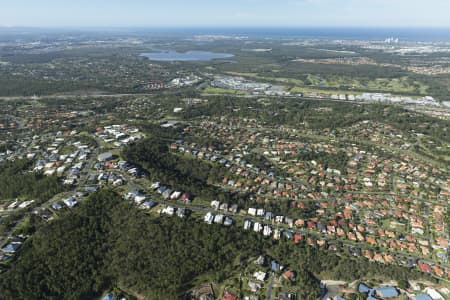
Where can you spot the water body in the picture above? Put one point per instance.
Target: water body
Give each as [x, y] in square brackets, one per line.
[172, 55]
[405, 34]
[345, 33]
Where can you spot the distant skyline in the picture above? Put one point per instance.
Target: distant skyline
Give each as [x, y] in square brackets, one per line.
[230, 13]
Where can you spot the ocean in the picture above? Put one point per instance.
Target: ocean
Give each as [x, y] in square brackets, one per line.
[405, 34]
[335, 33]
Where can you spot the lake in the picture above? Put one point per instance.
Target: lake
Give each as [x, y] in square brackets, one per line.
[171, 55]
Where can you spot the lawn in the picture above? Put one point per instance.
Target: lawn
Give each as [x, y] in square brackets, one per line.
[297, 89]
[214, 90]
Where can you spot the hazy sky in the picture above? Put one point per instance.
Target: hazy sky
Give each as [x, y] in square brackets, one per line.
[224, 13]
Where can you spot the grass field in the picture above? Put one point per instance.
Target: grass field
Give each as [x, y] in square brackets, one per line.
[296, 90]
[214, 90]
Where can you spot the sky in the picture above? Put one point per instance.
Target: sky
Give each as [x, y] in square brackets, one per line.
[225, 13]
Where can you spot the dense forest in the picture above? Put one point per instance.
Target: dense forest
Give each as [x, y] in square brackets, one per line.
[17, 181]
[185, 173]
[336, 161]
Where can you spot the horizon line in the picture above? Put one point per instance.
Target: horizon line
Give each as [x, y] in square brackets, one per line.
[221, 27]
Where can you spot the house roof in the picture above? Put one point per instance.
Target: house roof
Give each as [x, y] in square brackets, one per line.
[109, 296]
[104, 156]
[275, 266]
[11, 247]
[362, 288]
[387, 291]
[288, 274]
[423, 297]
[424, 267]
[229, 296]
